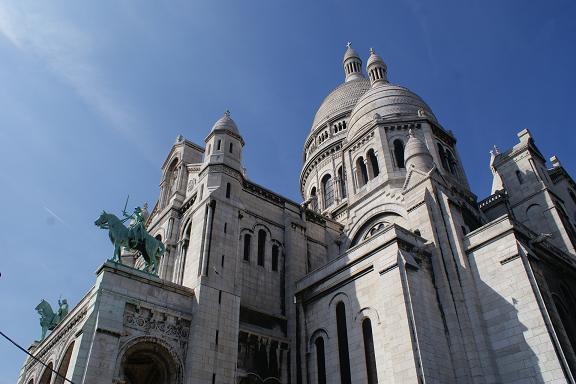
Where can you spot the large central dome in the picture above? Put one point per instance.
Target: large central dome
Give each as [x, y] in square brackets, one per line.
[341, 99]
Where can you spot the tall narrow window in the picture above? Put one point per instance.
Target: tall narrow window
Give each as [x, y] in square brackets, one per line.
[343, 354]
[261, 246]
[451, 162]
[442, 154]
[327, 191]
[374, 162]
[313, 199]
[369, 351]
[247, 240]
[399, 153]
[231, 147]
[228, 190]
[275, 251]
[218, 145]
[320, 361]
[361, 172]
[520, 177]
[342, 178]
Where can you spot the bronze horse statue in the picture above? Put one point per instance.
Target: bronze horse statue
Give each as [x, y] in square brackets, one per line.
[134, 238]
[48, 318]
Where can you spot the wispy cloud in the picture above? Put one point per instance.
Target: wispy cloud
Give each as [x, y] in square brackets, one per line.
[64, 49]
[58, 218]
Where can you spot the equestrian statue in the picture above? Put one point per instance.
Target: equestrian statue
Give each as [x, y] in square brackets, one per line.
[48, 318]
[134, 237]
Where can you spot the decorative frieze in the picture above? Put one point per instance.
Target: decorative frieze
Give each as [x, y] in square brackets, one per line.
[155, 322]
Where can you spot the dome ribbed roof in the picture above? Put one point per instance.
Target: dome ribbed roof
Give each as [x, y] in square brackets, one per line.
[390, 102]
[226, 123]
[341, 99]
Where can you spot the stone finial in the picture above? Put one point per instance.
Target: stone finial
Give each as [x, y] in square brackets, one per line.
[555, 161]
[495, 150]
[179, 138]
[227, 113]
[524, 135]
[372, 51]
[349, 45]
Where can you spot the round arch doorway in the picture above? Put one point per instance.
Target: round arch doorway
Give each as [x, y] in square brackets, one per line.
[149, 362]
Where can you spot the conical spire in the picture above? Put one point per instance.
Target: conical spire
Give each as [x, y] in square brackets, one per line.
[416, 154]
[352, 64]
[377, 69]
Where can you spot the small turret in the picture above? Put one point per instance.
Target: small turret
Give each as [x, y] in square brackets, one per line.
[224, 143]
[377, 69]
[352, 64]
[416, 154]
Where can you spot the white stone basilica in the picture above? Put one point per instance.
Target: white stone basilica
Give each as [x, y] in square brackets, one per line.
[390, 271]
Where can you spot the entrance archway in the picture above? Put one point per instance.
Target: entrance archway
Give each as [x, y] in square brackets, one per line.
[149, 362]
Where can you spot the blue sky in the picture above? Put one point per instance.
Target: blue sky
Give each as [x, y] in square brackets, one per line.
[93, 95]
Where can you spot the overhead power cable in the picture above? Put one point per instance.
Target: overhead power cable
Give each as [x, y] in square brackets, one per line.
[32, 356]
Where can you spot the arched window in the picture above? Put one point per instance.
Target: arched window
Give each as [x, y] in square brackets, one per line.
[520, 177]
[369, 351]
[344, 356]
[313, 199]
[342, 178]
[399, 153]
[320, 360]
[228, 190]
[374, 162]
[442, 155]
[275, 252]
[63, 369]
[247, 240]
[327, 191]
[361, 172]
[261, 246]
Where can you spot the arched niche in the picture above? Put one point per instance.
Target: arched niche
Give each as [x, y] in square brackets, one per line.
[64, 364]
[148, 360]
[46, 375]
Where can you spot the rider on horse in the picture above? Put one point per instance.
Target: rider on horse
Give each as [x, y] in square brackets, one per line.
[136, 227]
